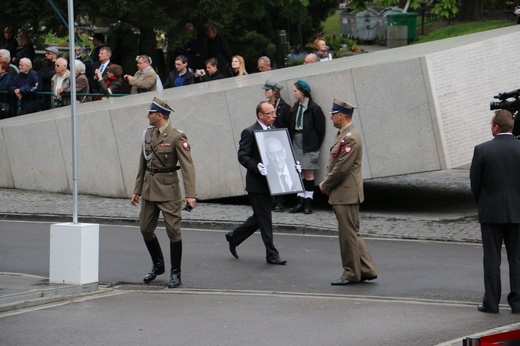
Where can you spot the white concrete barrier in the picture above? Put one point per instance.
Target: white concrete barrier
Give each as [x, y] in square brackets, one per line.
[421, 108]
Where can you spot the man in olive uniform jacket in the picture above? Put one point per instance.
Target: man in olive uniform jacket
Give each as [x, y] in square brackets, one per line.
[343, 184]
[157, 183]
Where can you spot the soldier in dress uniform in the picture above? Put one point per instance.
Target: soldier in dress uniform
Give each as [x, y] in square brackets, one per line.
[164, 151]
[343, 183]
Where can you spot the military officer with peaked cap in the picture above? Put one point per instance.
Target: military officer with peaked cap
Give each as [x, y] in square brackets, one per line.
[164, 150]
[343, 183]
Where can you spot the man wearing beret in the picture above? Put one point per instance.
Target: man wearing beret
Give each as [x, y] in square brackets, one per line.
[343, 184]
[163, 147]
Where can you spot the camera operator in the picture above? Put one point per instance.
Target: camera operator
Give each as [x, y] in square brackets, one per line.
[509, 101]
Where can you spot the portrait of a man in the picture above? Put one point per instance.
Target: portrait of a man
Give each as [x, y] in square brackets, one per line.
[277, 155]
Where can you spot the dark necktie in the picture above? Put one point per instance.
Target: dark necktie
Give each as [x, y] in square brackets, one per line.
[299, 117]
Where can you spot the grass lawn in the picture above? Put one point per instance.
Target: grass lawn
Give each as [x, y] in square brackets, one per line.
[436, 30]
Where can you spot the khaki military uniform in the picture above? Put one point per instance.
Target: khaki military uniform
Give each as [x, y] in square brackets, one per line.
[157, 181]
[344, 181]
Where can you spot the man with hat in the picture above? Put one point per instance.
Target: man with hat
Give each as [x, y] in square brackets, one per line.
[343, 183]
[163, 147]
[47, 71]
[272, 90]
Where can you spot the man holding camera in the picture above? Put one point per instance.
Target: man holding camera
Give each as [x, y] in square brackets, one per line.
[496, 189]
[157, 183]
[145, 79]
[212, 71]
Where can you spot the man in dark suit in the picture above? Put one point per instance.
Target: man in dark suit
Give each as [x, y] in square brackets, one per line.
[100, 68]
[256, 187]
[496, 189]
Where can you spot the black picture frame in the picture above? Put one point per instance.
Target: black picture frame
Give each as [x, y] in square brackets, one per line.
[277, 155]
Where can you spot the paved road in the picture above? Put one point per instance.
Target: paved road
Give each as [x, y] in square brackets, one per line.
[426, 293]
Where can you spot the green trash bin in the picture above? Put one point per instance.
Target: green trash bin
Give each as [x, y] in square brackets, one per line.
[404, 19]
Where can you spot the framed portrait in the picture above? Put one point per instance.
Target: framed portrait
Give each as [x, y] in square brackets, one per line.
[278, 157]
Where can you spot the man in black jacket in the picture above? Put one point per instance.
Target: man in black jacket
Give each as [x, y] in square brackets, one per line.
[181, 75]
[218, 47]
[256, 187]
[211, 73]
[46, 72]
[496, 188]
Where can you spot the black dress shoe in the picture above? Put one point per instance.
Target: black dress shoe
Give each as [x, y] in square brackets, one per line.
[482, 308]
[232, 247]
[157, 269]
[342, 282]
[299, 206]
[276, 260]
[278, 209]
[368, 278]
[175, 280]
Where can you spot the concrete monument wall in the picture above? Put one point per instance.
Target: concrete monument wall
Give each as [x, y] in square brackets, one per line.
[421, 108]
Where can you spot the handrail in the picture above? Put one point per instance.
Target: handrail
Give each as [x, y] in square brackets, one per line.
[57, 101]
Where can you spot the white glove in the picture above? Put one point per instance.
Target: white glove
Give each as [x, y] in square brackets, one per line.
[298, 167]
[262, 169]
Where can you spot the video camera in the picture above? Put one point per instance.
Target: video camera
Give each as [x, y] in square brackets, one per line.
[509, 101]
[510, 105]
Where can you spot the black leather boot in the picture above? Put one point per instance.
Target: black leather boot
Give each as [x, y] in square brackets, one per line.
[307, 209]
[175, 257]
[154, 248]
[299, 206]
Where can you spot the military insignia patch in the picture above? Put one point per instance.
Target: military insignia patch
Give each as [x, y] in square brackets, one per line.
[348, 149]
[185, 145]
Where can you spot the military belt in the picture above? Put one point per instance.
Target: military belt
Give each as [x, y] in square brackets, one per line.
[162, 170]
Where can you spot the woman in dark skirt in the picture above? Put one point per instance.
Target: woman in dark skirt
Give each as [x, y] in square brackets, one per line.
[307, 130]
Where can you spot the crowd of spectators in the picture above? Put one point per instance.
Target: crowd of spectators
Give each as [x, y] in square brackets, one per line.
[24, 90]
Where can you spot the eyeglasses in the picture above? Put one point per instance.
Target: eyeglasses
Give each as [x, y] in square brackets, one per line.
[267, 113]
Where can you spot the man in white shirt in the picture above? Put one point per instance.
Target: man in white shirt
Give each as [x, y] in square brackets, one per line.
[60, 81]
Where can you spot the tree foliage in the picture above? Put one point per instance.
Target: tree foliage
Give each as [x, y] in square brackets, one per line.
[244, 22]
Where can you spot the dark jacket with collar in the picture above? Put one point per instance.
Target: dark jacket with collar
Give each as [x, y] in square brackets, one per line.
[313, 126]
[494, 183]
[29, 84]
[283, 115]
[189, 78]
[249, 157]
[208, 78]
